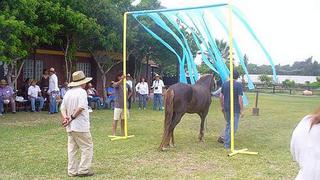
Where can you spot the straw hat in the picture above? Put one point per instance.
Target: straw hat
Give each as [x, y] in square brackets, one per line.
[157, 75]
[78, 78]
[3, 82]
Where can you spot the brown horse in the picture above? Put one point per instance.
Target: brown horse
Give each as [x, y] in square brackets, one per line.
[183, 98]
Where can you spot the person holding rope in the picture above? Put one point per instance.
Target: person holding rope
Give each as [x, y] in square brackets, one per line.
[118, 113]
[75, 117]
[225, 106]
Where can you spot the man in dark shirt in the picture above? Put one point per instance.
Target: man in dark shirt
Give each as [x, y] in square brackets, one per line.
[118, 113]
[225, 105]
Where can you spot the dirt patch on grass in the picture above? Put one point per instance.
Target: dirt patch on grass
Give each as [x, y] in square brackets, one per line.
[183, 164]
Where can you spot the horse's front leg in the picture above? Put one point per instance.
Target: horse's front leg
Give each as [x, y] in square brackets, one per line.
[201, 133]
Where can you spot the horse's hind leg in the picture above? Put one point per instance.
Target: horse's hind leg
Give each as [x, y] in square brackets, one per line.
[175, 122]
[167, 134]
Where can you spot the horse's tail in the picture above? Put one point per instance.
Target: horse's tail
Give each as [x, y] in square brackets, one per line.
[168, 116]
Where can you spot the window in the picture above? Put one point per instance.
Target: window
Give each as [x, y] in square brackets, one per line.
[32, 69]
[85, 67]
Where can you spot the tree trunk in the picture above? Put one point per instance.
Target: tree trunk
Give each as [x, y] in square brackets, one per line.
[66, 51]
[147, 72]
[104, 81]
[70, 70]
[102, 71]
[9, 74]
[18, 74]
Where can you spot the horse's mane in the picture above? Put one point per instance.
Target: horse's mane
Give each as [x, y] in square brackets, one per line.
[205, 80]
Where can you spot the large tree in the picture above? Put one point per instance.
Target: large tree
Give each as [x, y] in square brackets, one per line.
[24, 25]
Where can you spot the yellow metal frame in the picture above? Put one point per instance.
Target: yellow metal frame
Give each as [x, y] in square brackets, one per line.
[126, 136]
[233, 151]
[124, 59]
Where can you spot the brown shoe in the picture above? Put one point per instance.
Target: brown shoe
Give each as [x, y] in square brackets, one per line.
[221, 140]
[86, 175]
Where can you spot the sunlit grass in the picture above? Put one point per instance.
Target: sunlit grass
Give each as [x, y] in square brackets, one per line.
[33, 146]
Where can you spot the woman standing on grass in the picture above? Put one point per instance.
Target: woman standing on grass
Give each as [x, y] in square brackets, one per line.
[143, 90]
[305, 146]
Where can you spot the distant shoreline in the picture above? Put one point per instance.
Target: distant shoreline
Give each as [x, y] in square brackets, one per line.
[298, 79]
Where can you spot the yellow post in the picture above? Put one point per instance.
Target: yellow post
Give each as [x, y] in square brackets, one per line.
[233, 151]
[124, 59]
[231, 78]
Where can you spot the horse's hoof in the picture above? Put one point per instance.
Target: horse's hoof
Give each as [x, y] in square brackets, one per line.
[172, 146]
[201, 140]
[164, 149]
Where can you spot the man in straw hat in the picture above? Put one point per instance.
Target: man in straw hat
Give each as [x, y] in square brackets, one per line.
[6, 96]
[75, 117]
[157, 86]
[53, 91]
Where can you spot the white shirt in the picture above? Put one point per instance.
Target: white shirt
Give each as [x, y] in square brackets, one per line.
[305, 149]
[129, 82]
[157, 86]
[53, 83]
[91, 91]
[142, 88]
[73, 99]
[34, 91]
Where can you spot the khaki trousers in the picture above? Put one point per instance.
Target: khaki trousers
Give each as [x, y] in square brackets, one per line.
[82, 141]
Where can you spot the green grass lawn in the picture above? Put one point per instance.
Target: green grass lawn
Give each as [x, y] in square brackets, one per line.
[34, 146]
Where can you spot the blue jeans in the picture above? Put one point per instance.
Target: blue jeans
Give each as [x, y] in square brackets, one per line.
[95, 99]
[108, 104]
[33, 103]
[227, 138]
[157, 101]
[53, 107]
[142, 100]
[1, 105]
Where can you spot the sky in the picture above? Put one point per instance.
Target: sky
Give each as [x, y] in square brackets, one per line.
[289, 29]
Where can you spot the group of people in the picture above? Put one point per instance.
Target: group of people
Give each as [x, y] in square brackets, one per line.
[142, 90]
[75, 115]
[32, 92]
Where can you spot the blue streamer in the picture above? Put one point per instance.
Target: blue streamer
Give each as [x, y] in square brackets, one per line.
[217, 63]
[158, 20]
[224, 70]
[182, 72]
[196, 39]
[237, 12]
[171, 18]
[221, 20]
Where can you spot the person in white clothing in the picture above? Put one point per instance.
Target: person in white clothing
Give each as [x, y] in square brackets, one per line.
[34, 95]
[130, 84]
[142, 89]
[64, 89]
[157, 87]
[53, 91]
[305, 147]
[75, 117]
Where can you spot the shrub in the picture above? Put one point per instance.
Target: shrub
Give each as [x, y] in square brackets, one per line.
[288, 83]
[265, 79]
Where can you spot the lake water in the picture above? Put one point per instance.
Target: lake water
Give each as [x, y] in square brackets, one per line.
[297, 79]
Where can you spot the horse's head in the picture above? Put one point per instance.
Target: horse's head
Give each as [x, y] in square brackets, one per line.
[207, 80]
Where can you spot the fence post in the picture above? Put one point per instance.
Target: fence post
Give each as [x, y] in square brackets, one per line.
[255, 110]
[274, 89]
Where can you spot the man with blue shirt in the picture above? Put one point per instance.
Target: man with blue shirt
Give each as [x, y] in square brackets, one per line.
[225, 105]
